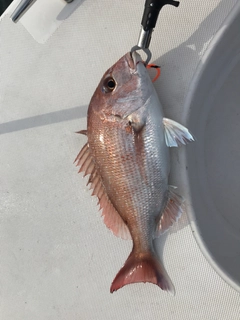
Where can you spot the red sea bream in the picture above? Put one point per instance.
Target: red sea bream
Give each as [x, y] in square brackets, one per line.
[127, 159]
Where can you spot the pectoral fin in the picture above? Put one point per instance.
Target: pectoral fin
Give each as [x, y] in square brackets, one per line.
[137, 119]
[110, 216]
[176, 134]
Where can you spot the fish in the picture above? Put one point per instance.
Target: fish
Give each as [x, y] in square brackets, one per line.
[126, 157]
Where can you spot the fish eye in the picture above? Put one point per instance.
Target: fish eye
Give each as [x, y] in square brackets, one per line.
[109, 84]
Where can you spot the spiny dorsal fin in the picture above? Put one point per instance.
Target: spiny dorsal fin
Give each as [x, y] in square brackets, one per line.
[84, 132]
[171, 213]
[110, 216]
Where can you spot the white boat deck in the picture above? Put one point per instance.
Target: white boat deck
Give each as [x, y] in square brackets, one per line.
[57, 257]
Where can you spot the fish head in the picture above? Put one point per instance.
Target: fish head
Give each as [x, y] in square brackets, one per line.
[123, 89]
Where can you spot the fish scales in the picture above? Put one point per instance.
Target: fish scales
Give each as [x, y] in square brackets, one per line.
[133, 187]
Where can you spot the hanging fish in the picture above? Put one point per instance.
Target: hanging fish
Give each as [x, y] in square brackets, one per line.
[127, 159]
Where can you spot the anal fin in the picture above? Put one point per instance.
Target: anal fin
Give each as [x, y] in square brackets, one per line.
[111, 217]
[171, 213]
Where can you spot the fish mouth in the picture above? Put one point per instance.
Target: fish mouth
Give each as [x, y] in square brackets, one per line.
[133, 59]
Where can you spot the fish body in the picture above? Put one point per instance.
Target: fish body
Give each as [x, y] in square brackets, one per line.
[127, 158]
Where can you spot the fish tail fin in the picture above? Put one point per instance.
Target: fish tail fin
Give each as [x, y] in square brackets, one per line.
[143, 268]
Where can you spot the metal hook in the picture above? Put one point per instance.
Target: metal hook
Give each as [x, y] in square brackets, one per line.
[149, 20]
[146, 50]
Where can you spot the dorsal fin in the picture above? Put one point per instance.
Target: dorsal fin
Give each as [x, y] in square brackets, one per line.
[172, 212]
[111, 217]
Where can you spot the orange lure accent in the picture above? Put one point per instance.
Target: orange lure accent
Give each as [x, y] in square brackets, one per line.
[158, 69]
